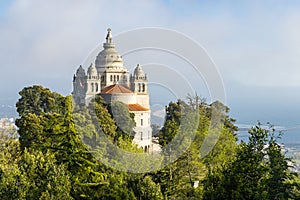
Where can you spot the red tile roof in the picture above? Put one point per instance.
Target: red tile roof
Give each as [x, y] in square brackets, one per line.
[116, 88]
[137, 107]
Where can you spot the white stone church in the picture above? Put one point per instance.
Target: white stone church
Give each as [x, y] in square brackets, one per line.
[109, 78]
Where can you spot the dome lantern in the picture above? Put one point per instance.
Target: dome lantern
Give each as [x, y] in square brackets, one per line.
[109, 57]
[108, 43]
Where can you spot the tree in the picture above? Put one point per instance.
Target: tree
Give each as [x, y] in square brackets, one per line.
[118, 187]
[172, 122]
[102, 118]
[278, 172]
[146, 188]
[259, 171]
[215, 123]
[221, 112]
[31, 175]
[44, 178]
[193, 121]
[123, 120]
[13, 183]
[51, 127]
[38, 100]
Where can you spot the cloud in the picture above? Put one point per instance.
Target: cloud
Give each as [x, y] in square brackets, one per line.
[43, 42]
[263, 48]
[254, 44]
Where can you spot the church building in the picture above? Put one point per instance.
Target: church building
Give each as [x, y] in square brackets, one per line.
[109, 78]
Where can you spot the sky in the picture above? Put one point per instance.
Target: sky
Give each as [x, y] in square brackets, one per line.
[254, 44]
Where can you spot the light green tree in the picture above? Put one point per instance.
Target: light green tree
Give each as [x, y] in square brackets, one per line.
[44, 178]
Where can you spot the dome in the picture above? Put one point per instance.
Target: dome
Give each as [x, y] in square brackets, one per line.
[138, 71]
[92, 71]
[109, 57]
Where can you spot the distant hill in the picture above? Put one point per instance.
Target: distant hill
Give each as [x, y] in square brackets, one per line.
[8, 111]
[157, 114]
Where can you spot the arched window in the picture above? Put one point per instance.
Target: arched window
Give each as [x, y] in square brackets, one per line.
[96, 87]
[141, 122]
[92, 87]
[139, 88]
[114, 78]
[110, 78]
[144, 87]
[118, 78]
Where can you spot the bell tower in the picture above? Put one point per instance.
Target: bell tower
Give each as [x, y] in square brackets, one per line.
[138, 81]
[139, 85]
[93, 83]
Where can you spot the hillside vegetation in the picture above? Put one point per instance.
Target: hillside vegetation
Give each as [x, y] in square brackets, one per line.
[62, 151]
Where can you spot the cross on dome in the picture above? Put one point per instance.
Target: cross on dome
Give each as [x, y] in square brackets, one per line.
[108, 36]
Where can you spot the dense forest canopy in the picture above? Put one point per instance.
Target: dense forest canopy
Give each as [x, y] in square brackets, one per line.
[61, 151]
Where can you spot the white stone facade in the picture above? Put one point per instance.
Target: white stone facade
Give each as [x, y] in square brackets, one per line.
[143, 129]
[109, 78]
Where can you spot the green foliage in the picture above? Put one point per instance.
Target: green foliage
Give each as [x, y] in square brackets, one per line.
[118, 188]
[259, 171]
[60, 153]
[52, 128]
[31, 130]
[31, 175]
[123, 119]
[194, 121]
[102, 118]
[13, 183]
[177, 179]
[145, 188]
[172, 123]
[38, 100]
[179, 128]
[224, 150]
[44, 178]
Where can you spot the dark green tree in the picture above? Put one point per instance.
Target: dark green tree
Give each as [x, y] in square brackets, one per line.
[259, 171]
[276, 182]
[53, 128]
[102, 118]
[145, 188]
[123, 120]
[39, 100]
[172, 122]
